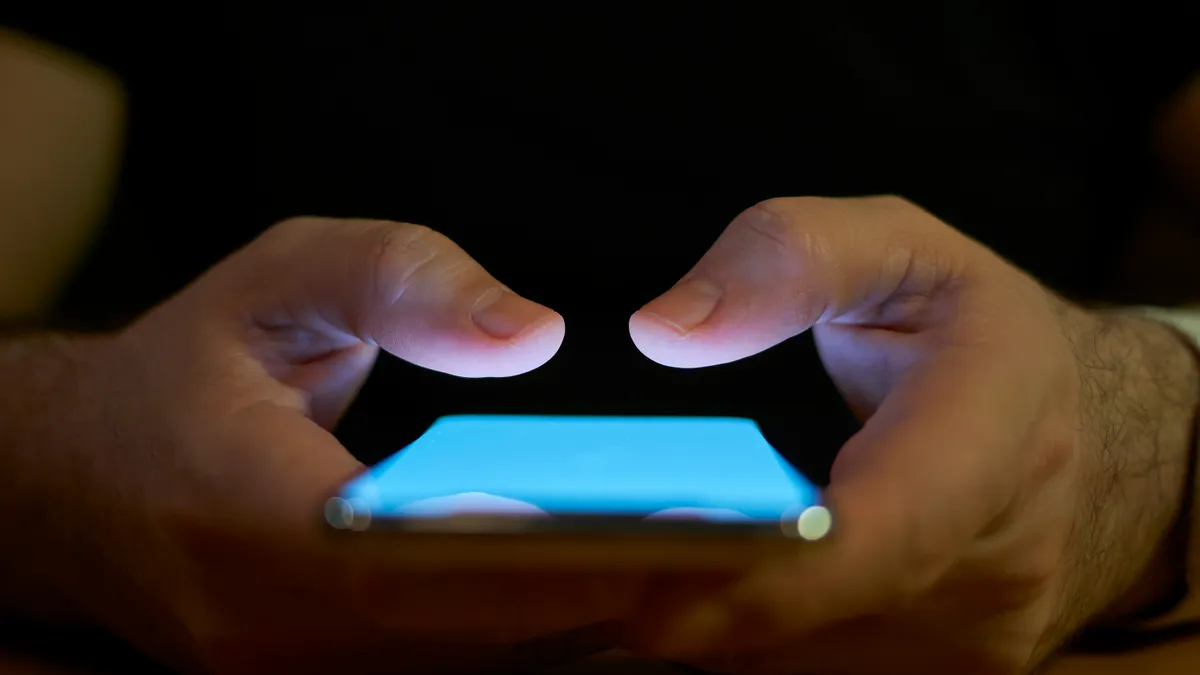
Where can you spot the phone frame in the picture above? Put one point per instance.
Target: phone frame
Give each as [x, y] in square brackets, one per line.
[570, 541]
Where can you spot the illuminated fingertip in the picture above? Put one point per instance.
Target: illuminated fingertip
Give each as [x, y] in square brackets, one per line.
[504, 315]
[550, 330]
[539, 344]
[814, 523]
[686, 306]
[529, 351]
[664, 344]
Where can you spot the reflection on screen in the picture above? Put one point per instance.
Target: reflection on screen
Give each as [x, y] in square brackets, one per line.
[710, 468]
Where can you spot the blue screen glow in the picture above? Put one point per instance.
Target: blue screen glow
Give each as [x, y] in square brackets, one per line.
[711, 467]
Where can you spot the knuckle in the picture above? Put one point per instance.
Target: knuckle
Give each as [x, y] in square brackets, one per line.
[295, 229]
[270, 257]
[773, 222]
[804, 227]
[892, 201]
[399, 252]
[299, 223]
[920, 569]
[891, 210]
[906, 218]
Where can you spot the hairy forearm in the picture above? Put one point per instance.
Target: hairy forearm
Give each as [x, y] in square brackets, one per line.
[43, 424]
[1141, 398]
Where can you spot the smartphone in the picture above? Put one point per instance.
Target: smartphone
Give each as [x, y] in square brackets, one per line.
[577, 490]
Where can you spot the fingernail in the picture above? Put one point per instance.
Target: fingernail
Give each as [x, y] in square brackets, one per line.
[686, 306]
[699, 630]
[503, 314]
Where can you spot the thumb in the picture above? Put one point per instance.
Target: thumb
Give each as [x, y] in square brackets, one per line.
[787, 264]
[320, 286]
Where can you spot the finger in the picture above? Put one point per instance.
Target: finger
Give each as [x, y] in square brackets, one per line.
[935, 441]
[405, 288]
[787, 264]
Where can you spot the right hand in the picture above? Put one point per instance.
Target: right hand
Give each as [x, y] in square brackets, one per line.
[212, 454]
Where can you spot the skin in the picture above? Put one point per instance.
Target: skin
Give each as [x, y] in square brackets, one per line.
[196, 505]
[984, 509]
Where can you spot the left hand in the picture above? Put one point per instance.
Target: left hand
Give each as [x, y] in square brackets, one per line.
[1020, 465]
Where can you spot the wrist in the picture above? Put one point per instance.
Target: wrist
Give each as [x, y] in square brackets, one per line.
[82, 435]
[45, 520]
[1181, 564]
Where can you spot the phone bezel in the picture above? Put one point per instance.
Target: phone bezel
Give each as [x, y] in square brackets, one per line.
[571, 541]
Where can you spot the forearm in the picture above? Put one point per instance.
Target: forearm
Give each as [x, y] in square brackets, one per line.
[43, 422]
[1180, 559]
[1146, 492]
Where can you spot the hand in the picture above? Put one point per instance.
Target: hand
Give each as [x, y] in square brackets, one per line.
[203, 490]
[1020, 463]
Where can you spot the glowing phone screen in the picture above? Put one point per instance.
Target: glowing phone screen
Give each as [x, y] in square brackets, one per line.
[713, 468]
